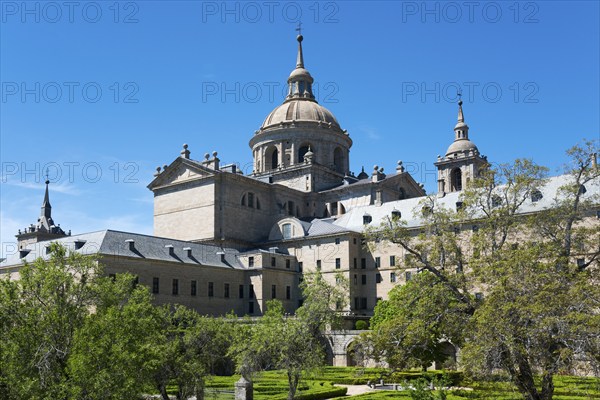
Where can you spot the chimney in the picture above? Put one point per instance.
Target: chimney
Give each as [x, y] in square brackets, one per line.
[594, 157]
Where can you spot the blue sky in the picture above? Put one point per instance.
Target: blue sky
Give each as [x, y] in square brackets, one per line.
[101, 93]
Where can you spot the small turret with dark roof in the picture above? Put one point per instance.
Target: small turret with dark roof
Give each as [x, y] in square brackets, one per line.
[45, 229]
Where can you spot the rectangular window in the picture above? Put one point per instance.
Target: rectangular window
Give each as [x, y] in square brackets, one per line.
[355, 279]
[241, 292]
[211, 289]
[392, 277]
[408, 276]
[378, 278]
[355, 263]
[318, 265]
[250, 262]
[193, 288]
[273, 262]
[377, 262]
[251, 307]
[288, 292]
[354, 240]
[175, 286]
[300, 266]
[363, 263]
[392, 261]
[155, 283]
[273, 291]
[338, 263]
[288, 263]
[226, 290]
[337, 240]
[250, 291]
[580, 262]
[363, 303]
[363, 279]
[356, 303]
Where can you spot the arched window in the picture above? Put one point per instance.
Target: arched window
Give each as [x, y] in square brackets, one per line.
[286, 230]
[338, 159]
[456, 179]
[302, 151]
[244, 200]
[274, 159]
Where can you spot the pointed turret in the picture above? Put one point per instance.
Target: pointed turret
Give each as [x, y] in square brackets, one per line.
[45, 229]
[46, 207]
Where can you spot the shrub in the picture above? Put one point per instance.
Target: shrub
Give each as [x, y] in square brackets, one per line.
[361, 325]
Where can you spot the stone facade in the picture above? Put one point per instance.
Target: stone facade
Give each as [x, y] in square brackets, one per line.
[224, 241]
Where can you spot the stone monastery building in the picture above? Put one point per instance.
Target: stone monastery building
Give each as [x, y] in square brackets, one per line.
[227, 241]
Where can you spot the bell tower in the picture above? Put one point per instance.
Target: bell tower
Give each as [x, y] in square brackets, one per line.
[462, 161]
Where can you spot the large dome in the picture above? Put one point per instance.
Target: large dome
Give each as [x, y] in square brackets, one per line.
[300, 111]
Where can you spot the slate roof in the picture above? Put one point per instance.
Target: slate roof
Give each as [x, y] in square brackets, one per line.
[410, 209]
[113, 243]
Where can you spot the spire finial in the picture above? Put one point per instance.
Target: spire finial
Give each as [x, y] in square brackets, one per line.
[300, 58]
[461, 117]
[46, 207]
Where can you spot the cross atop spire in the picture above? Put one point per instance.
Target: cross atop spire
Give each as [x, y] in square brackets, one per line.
[299, 28]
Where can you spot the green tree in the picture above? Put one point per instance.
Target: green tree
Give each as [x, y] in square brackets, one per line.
[292, 343]
[541, 291]
[538, 300]
[191, 347]
[412, 327]
[68, 332]
[113, 352]
[39, 314]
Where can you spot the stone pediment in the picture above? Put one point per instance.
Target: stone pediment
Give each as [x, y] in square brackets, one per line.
[180, 171]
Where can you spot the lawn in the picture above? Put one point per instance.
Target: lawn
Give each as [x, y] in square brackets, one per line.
[272, 385]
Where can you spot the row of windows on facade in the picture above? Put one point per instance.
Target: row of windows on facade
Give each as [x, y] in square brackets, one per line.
[175, 289]
[496, 200]
[379, 278]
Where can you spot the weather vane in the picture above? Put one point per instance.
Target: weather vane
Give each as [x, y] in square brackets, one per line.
[299, 28]
[47, 173]
[459, 94]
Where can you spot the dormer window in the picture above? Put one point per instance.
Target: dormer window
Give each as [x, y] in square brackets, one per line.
[536, 196]
[396, 215]
[496, 201]
[367, 219]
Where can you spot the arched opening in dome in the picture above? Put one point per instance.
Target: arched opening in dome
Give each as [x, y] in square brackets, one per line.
[338, 159]
[302, 151]
[271, 158]
[456, 179]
